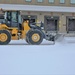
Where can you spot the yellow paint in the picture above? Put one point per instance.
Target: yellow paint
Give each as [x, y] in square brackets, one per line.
[35, 37]
[14, 31]
[3, 37]
[3, 26]
[26, 28]
[14, 37]
[38, 23]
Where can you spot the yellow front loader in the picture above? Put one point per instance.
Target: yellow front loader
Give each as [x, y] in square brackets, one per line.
[12, 28]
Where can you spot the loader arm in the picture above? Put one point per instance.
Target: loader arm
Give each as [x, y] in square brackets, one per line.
[25, 29]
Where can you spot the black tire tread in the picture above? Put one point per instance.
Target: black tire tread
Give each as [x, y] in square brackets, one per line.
[9, 37]
[29, 34]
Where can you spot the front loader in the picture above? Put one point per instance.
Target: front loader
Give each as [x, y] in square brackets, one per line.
[12, 28]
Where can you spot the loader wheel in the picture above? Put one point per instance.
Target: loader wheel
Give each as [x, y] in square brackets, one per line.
[5, 37]
[35, 37]
[27, 39]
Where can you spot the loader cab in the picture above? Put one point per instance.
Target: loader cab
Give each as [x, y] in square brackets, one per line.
[1, 18]
[13, 19]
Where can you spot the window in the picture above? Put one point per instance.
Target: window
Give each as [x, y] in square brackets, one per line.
[28, 0]
[62, 1]
[14, 17]
[51, 1]
[72, 1]
[9, 16]
[39, 0]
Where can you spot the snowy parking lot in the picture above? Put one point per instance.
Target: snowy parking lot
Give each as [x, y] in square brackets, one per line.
[19, 58]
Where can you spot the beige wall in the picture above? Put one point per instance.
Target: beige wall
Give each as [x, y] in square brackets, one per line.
[34, 2]
[62, 18]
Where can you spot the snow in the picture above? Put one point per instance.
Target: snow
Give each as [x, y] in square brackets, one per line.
[19, 58]
[37, 8]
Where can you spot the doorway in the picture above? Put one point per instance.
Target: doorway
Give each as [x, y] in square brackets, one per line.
[51, 23]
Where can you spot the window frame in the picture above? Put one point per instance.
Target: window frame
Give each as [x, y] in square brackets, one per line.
[51, 2]
[62, 2]
[28, 1]
[71, 2]
[40, 2]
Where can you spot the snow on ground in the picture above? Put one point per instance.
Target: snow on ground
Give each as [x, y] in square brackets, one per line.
[19, 58]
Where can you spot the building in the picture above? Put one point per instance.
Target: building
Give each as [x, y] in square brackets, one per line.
[57, 15]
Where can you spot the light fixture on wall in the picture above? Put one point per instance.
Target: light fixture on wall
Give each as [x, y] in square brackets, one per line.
[62, 15]
[40, 14]
[51, 14]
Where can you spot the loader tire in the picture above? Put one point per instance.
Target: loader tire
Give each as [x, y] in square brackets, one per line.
[35, 37]
[27, 40]
[5, 37]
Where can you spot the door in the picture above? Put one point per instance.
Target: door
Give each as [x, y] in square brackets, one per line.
[70, 24]
[51, 24]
